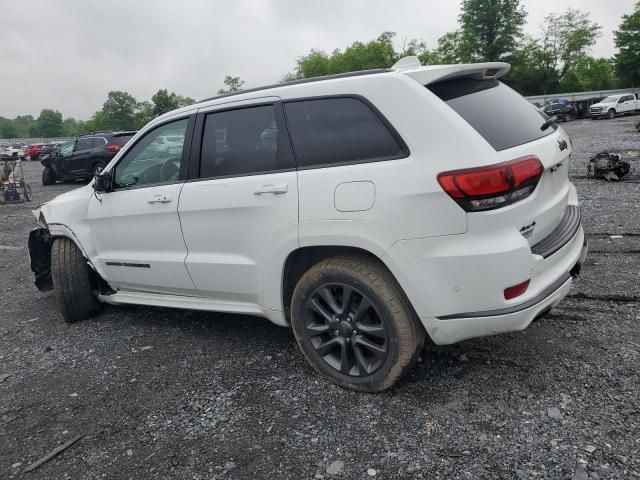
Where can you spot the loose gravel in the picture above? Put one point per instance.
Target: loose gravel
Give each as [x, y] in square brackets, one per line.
[161, 393]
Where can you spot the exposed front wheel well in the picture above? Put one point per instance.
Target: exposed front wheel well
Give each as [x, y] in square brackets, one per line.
[302, 259]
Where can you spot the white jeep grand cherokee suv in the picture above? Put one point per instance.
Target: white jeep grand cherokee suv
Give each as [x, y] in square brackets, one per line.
[365, 210]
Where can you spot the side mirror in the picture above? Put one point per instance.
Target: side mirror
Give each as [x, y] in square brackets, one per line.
[103, 182]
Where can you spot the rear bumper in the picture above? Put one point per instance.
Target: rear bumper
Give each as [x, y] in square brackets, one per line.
[456, 283]
[457, 327]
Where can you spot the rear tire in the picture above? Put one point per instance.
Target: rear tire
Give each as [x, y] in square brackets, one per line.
[97, 168]
[366, 344]
[72, 283]
[566, 117]
[48, 176]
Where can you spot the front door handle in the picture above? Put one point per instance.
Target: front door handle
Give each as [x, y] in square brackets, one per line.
[275, 189]
[160, 199]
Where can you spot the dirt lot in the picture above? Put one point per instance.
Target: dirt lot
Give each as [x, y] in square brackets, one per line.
[167, 393]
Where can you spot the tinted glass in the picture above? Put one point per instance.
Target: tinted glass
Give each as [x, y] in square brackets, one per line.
[498, 113]
[84, 144]
[99, 142]
[122, 139]
[338, 130]
[239, 142]
[152, 160]
[66, 149]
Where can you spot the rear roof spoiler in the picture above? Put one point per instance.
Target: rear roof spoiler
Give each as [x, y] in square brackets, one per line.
[436, 73]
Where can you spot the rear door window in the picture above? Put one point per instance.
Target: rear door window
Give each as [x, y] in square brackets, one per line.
[239, 142]
[340, 130]
[498, 113]
[84, 144]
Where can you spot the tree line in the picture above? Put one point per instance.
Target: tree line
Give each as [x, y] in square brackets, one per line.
[556, 60]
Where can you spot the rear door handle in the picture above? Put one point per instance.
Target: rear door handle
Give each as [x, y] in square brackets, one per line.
[160, 199]
[275, 189]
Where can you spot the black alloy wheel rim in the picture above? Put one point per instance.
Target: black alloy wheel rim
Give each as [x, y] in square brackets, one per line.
[346, 331]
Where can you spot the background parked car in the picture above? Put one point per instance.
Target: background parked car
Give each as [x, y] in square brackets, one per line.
[83, 157]
[563, 109]
[613, 105]
[32, 152]
[11, 150]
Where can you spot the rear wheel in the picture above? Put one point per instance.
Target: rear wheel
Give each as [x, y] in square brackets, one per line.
[354, 324]
[72, 283]
[48, 176]
[97, 168]
[611, 114]
[566, 117]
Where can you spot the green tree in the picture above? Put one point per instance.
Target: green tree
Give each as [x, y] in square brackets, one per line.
[70, 126]
[48, 124]
[566, 38]
[23, 123]
[627, 39]
[232, 84]
[119, 111]
[164, 102]
[491, 28]
[8, 129]
[378, 53]
[589, 73]
[450, 49]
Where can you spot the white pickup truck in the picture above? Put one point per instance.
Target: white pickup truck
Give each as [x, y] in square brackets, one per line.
[613, 105]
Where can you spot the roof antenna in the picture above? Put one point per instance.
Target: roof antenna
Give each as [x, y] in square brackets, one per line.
[406, 63]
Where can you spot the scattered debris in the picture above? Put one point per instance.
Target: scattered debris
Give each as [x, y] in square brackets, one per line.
[554, 412]
[608, 166]
[613, 237]
[590, 448]
[53, 453]
[580, 473]
[335, 468]
[4, 376]
[371, 472]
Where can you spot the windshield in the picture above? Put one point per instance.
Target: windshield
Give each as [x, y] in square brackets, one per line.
[609, 100]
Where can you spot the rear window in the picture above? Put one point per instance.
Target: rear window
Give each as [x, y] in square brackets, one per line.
[498, 113]
[122, 139]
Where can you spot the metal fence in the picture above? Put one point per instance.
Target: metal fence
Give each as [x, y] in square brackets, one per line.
[31, 141]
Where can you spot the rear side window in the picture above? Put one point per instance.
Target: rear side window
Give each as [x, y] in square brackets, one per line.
[242, 142]
[122, 139]
[339, 130]
[99, 142]
[498, 113]
[84, 144]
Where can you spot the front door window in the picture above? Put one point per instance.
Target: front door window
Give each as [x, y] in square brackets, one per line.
[153, 160]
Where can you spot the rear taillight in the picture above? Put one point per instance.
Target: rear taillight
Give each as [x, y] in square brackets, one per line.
[516, 290]
[113, 148]
[494, 186]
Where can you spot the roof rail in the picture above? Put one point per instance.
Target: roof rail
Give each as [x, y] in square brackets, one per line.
[301, 81]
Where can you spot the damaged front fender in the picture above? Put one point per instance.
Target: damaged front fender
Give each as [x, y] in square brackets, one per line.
[40, 255]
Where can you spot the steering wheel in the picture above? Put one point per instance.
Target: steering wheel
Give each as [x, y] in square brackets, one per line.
[169, 170]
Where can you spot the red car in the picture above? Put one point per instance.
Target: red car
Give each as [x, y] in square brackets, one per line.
[32, 152]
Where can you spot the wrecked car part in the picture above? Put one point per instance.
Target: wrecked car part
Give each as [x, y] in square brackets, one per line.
[608, 166]
[40, 255]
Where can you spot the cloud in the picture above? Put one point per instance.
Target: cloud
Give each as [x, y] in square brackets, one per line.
[67, 54]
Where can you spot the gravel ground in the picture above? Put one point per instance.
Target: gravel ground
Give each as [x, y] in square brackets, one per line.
[175, 394]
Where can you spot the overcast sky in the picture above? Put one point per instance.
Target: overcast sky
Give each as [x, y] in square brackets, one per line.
[67, 54]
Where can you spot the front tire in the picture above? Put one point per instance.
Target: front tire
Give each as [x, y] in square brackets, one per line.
[611, 114]
[354, 324]
[72, 283]
[48, 176]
